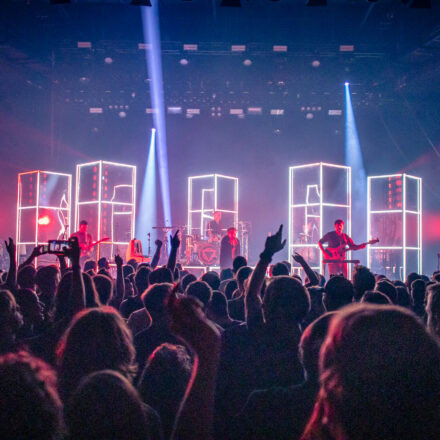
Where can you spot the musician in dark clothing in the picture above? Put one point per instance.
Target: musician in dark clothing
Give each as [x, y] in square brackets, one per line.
[337, 241]
[213, 228]
[229, 249]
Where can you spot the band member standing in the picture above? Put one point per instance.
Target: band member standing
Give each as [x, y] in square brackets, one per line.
[337, 241]
[84, 241]
[229, 249]
[213, 228]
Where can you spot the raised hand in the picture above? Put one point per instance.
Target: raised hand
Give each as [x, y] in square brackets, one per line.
[118, 260]
[175, 240]
[189, 323]
[298, 258]
[37, 251]
[74, 252]
[158, 243]
[10, 248]
[274, 243]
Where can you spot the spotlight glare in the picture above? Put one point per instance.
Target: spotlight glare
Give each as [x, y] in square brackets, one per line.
[108, 60]
[247, 62]
[45, 220]
[184, 62]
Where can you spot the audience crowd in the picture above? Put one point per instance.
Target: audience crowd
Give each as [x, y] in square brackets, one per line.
[149, 352]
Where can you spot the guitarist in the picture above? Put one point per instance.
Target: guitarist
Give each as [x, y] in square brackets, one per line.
[84, 240]
[337, 239]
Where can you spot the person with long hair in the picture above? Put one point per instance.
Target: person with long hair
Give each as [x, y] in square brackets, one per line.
[380, 378]
[97, 339]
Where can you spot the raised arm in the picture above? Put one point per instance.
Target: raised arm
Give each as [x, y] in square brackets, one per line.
[77, 297]
[354, 247]
[120, 283]
[194, 420]
[156, 256]
[35, 253]
[175, 243]
[254, 314]
[63, 264]
[11, 280]
[313, 279]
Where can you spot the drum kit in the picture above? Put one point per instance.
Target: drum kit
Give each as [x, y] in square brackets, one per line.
[194, 250]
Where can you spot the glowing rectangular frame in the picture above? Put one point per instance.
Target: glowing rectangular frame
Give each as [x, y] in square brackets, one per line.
[99, 202]
[37, 207]
[321, 205]
[214, 187]
[404, 211]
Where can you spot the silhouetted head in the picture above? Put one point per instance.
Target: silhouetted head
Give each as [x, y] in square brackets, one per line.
[164, 381]
[160, 275]
[238, 262]
[154, 300]
[90, 265]
[30, 407]
[97, 339]
[403, 297]
[279, 269]
[388, 289]
[363, 280]
[104, 287]
[212, 279]
[433, 309]
[218, 306]
[103, 263]
[375, 297]
[141, 279]
[92, 297]
[377, 361]
[418, 291]
[26, 277]
[338, 292]
[106, 406]
[226, 274]
[241, 276]
[410, 278]
[201, 291]
[187, 280]
[230, 288]
[285, 299]
[310, 345]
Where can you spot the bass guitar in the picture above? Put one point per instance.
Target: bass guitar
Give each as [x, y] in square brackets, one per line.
[86, 248]
[337, 254]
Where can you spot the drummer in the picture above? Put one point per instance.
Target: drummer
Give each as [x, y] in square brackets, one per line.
[213, 228]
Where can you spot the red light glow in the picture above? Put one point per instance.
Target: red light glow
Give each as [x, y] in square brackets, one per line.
[43, 221]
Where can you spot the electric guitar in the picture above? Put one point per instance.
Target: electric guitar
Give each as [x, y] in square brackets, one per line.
[337, 254]
[86, 248]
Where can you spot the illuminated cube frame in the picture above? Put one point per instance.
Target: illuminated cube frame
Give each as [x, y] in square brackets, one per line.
[321, 204]
[37, 206]
[205, 212]
[404, 211]
[99, 201]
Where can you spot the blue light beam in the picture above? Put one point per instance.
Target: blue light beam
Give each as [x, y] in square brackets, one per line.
[353, 158]
[147, 215]
[150, 22]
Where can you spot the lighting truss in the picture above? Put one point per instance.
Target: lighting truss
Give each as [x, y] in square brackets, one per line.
[118, 208]
[402, 247]
[211, 183]
[35, 202]
[315, 209]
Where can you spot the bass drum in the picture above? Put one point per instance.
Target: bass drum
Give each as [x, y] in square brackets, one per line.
[208, 254]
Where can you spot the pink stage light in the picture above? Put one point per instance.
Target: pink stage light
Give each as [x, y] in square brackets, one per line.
[44, 221]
